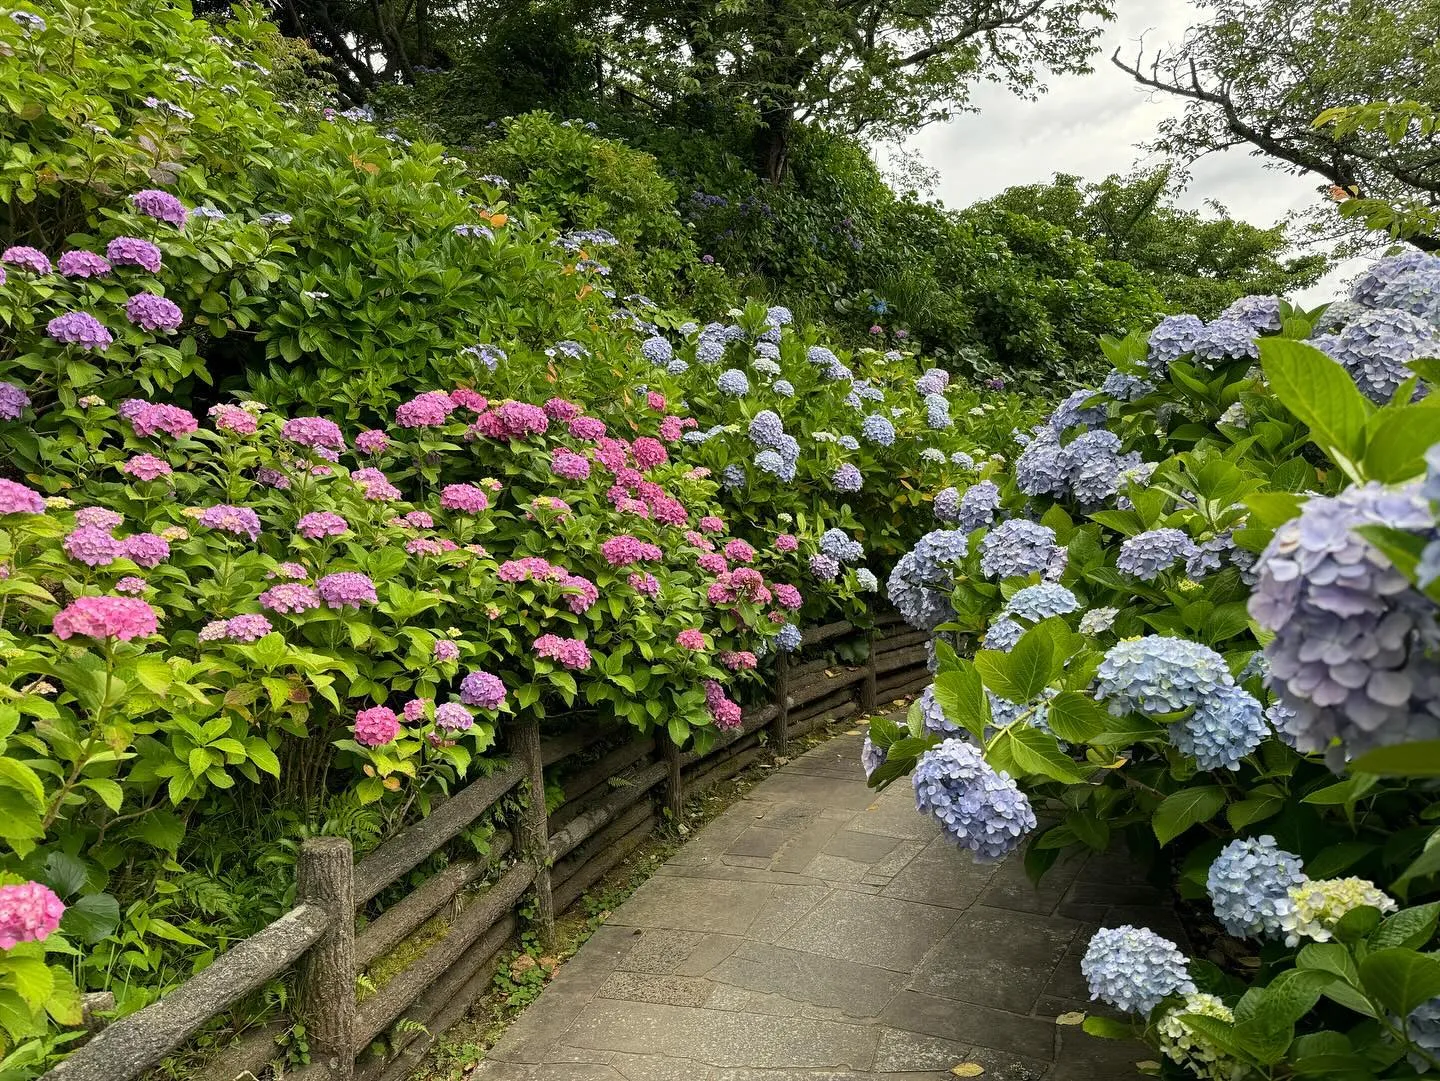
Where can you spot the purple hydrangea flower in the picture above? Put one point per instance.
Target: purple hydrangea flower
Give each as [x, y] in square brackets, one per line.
[1175, 336]
[1146, 555]
[346, 589]
[1020, 547]
[160, 205]
[132, 251]
[150, 312]
[241, 521]
[847, 478]
[27, 258]
[13, 401]
[1259, 313]
[1133, 968]
[83, 264]
[80, 328]
[923, 579]
[1375, 347]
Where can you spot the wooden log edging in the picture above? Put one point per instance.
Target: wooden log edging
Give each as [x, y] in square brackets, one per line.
[325, 983]
[563, 842]
[596, 777]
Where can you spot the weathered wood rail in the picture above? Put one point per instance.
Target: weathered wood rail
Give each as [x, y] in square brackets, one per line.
[608, 780]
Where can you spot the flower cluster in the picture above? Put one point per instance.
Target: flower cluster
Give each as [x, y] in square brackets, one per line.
[1249, 884]
[979, 808]
[1020, 547]
[1146, 555]
[1133, 968]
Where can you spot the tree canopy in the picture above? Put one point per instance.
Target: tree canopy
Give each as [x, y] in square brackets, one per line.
[1259, 73]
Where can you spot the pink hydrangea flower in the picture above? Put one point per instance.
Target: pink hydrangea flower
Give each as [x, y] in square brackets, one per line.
[625, 549]
[488, 425]
[290, 597]
[93, 546]
[372, 441]
[320, 524]
[656, 401]
[737, 551]
[521, 419]
[313, 432]
[786, 542]
[346, 589]
[272, 478]
[375, 485]
[83, 264]
[248, 628]
[469, 399]
[580, 593]
[231, 418]
[482, 689]
[649, 452]
[428, 410]
[132, 251]
[105, 617]
[671, 429]
[445, 651]
[587, 428]
[217, 630]
[711, 524]
[453, 717]
[699, 540]
[561, 410]
[528, 568]
[669, 511]
[292, 571]
[690, 638]
[146, 549]
[426, 546]
[569, 465]
[570, 652]
[464, 497]
[612, 453]
[712, 563]
[726, 713]
[130, 585]
[146, 467]
[240, 521]
[100, 517]
[414, 710]
[26, 257]
[28, 913]
[645, 583]
[149, 418]
[741, 661]
[788, 597]
[376, 726]
[418, 519]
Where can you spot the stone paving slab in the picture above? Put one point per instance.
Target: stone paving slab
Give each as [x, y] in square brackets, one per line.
[819, 931]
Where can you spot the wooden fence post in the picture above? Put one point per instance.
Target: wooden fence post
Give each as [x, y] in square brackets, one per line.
[535, 826]
[779, 736]
[674, 785]
[867, 689]
[325, 993]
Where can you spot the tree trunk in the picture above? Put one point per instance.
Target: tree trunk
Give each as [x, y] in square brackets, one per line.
[772, 143]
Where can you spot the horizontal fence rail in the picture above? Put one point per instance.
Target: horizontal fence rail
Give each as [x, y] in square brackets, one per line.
[615, 796]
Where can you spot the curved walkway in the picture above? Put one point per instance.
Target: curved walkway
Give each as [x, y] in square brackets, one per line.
[818, 932]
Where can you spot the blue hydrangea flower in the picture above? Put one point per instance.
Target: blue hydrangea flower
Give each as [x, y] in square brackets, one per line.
[1041, 601]
[853, 401]
[784, 388]
[709, 351]
[849, 442]
[1371, 287]
[866, 580]
[1004, 713]
[922, 580]
[871, 757]
[1423, 1028]
[733, 476]
[1094, 466]
[767, 351]
[1146, 555]
[1226, 726]
[934, 381]
[1133, 968]
[821, 357]
[657, 350]
[963, 460]
[933, 716]
[937, 412]
[1175, 336]
[1019, 547]
[766, 429]
[1157, 674]
[788, 638]
[866, 390]
[1249, 886]
[769, 461]
[847, 478]
[947, 505]
[1354, 642]
[1124, 387]
[824, 567]
[1042, 467]
[765, 367]
[734, 382]
[1002, 635]
[1226, 339]
[877, 429]
[1375, 348]
[978, 808]
[1073, 411]
[1417, 293]
[677, 367]
[977, 507]
[1098, 620]
[1259, 313]
[1207, 558]
[838, 544]
[933, 455]
[779, 316]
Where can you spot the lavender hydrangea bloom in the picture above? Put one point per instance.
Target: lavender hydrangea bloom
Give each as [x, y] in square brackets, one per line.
[769, 461]
[1175, 336]
[83, 264]
[839, 545]
[871, 757]
[1226, 726]
[13, 401]
[27, 258]
[1042, 468]
[734, 382]
[1146, 555]
[947, 505]
[1019, 547]
[677, 367]
[789, 638]
[766, 429]
[150, 312]
[1004, 713]
[80, 328]
[934, 381]
[133, 251]
[849, 442]
[1133, 968]
[778, 316]
[822, 357]
[932, 716]
[1041, 601]
[1418, 294]
[979, 808]
[733, 476]
[1259, 313]
[1124, 387]
[877, 429]
[1073, 411]
[1370, 288]
[1207, 558]
[657, 350]
[963, 460]
[160, 205]
[1353, 639]
[709, 351]
[977, 506]
[1249, 886]
[824, 567]
[937, 412]
[924, 577]
[847, 478]
[1158, 674]
[1226, 339]
[1375, 347]
[1002, 635]
[765, 367]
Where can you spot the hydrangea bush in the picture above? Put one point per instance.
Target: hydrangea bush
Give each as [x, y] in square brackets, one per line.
[1200, 620]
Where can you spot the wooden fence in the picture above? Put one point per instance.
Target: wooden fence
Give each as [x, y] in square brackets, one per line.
[607, 813]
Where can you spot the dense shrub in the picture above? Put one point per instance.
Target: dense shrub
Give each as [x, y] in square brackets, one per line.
[1197, 611]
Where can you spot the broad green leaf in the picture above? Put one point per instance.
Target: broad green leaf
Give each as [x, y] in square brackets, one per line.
[1186, 808]
[91, 919]
[1036, 752]
[1418, 759]
[1410, 928]
[260, 752]
[960, 694]
[29, 977]
[1400, 979]
[1076, 717]
[1107, 1028]
[1322, 396]
[1024, 672]
[1398, 439]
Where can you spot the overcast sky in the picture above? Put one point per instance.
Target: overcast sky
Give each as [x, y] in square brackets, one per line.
[1091, 125]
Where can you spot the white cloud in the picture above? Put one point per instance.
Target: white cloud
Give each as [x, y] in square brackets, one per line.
[1091, 126]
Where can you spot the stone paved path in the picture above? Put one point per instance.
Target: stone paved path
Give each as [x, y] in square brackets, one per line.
[818, 932]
